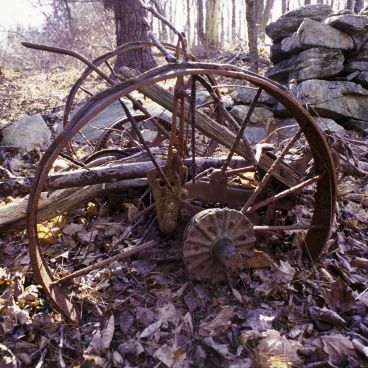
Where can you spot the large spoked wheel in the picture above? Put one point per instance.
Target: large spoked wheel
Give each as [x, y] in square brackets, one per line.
[254, 200]
[104, 65]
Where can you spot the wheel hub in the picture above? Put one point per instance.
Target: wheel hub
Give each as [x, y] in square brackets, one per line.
[217, 241]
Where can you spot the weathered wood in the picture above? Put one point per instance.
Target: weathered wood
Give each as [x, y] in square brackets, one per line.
[205, 124]
[107, 174]
[12, 215]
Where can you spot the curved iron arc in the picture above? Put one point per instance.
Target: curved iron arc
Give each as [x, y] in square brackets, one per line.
[325, 192]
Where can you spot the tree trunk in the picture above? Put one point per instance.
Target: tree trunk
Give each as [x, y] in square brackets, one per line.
[164, 37]
[358, 6]
[307, 2]
[252, 33]
[222, 37]
[131, 25]
[188, 26]
[284, 6]
[213, 23]
[200, 23]
[233, 19]
[264, 19]
[349, 4]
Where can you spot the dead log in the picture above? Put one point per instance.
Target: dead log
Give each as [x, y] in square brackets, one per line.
[12, 215]
[106, 174]
[205, 124]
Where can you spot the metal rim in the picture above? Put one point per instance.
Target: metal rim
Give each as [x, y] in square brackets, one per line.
[325, 191]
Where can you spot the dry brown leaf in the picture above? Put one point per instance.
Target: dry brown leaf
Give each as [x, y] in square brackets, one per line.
[274, 347]
[222, 349]
[337, 347]
[131, 347]
[284, 273]
[98, 362]
[340, 297]
[168, 313]
[95, 345]
[117, 359]
[71, 229]
[165, 355]
[327, 315]
[220, 323]
[259, 259]
[107, 334]
[360, 347]
[188, 323]
[150, 330]
[7, 358]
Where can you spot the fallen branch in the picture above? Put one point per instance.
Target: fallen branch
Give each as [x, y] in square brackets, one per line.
[12, 215]
[105, 174]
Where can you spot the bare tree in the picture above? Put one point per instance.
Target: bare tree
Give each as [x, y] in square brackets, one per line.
[307, 2]
[250, 6]
[233, 19]
[349, 4]
[161, 8]
[284, 6]
[131, 25]
[358, 6]
[264, 18]
[200, 22]
[213, 23]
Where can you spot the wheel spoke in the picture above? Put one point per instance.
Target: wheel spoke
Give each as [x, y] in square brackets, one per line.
[144, 144]
[192, 120]
[270, 171]
[128, 252]
[296, 227]
[283, 194]
[241, 133]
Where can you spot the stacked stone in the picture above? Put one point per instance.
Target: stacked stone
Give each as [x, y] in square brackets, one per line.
[326, 54]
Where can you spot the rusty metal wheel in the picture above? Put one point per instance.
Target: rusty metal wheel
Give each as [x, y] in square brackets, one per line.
[103, 66]
[259, 190]
[217, 238]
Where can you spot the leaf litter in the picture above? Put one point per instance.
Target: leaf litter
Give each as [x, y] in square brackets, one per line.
[146, 312]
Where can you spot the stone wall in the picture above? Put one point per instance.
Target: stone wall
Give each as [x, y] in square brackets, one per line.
[325, 55]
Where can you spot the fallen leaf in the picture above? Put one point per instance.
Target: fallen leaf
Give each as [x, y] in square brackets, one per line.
[131, 347]
[360, 347]
[327, 315]
[222, 349]
[117, 359]
[71, 229]
[284, 273]
[220, 323]
[259, 259]
[98, 362]
[107, 334]
[126, 321]
[187, 319]
[95, 345]
[48, 235]
[165, 355]
[150, 330]
[7, 358]
[340, 297]
[259, 319]
[276, 348]
[168, 313]
[337, 347]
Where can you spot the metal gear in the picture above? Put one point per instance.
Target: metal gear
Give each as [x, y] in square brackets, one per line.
[217, 241]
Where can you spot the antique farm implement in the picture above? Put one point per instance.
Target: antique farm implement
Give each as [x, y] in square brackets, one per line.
[200, 167]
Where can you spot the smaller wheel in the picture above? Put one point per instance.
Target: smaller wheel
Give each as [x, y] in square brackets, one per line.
[217, 242]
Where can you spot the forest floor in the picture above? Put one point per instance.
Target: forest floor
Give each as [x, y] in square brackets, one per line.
[147, 312]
